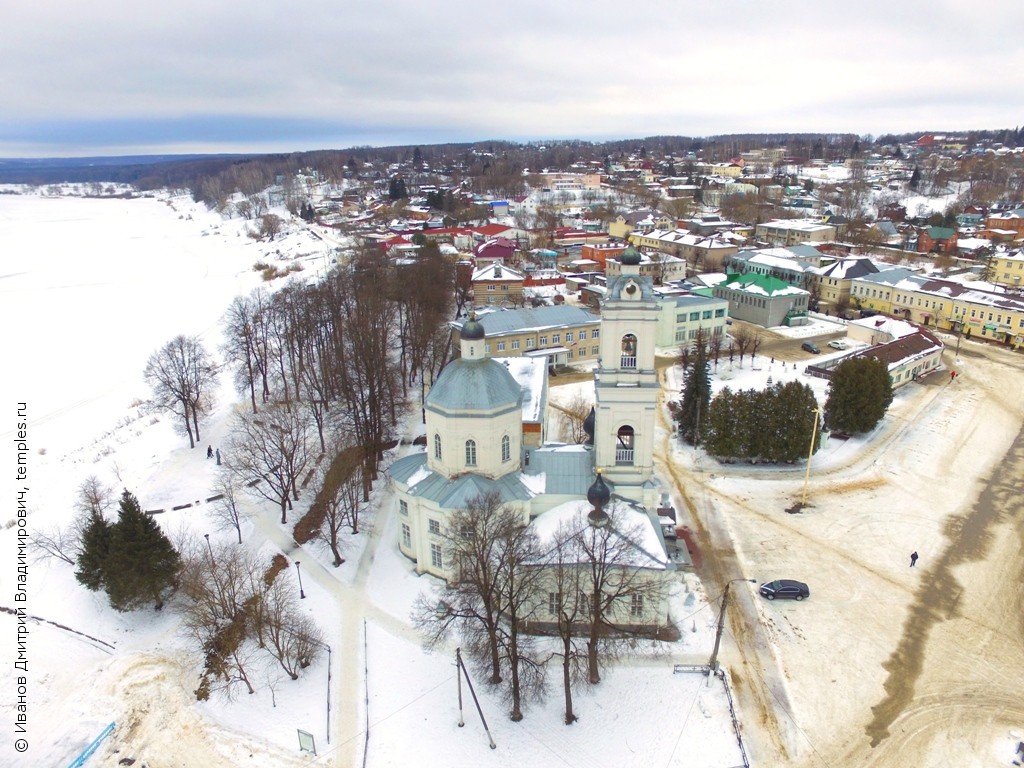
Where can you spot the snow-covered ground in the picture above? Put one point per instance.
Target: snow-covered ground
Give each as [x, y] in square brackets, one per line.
[88, 289]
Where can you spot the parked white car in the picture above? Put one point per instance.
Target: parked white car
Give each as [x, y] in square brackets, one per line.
[837, 344]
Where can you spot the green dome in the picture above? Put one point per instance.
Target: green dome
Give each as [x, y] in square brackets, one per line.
[630, 257]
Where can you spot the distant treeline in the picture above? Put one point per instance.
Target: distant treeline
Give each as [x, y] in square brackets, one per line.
[210, 177]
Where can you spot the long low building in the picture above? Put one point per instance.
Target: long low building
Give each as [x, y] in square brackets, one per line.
[564, 335]
[943, 304]
[909, 352]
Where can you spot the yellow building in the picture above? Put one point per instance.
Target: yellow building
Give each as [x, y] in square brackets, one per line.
[1007, 269]
[565, 335]
[942, 304]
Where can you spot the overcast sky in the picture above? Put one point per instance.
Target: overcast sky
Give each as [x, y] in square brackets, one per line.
[130, 77]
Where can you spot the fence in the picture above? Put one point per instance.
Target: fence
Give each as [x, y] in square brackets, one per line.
[704, 669]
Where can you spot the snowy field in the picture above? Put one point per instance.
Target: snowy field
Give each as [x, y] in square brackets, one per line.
[88, 290]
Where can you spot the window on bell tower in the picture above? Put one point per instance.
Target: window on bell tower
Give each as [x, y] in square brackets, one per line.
[628, 358]
[624, 443]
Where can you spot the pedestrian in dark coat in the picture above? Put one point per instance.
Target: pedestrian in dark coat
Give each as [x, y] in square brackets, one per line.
[209, 451]
[913, 559]
[218, 457]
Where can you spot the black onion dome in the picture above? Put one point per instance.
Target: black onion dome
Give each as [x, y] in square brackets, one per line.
[472, 329]
[598, 494]
[630, 257]
[588, 426]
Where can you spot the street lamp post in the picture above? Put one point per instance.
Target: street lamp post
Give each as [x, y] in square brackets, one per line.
[810, 453]
[713, 663]
[298, 571]
[207, 537]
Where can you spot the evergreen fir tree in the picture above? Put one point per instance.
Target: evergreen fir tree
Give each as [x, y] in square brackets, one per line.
[722, 428]
[792, 416]
[696, 396]
[142, 561]
[396, 188]
[859, 395]
[92, 560]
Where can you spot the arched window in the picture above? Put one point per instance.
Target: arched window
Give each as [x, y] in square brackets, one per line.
[506, 448]
[628, 351]
[471, 453]
[437, 447]
[624, 445]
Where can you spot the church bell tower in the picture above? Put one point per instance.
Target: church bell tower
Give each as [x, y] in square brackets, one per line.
[626, 383]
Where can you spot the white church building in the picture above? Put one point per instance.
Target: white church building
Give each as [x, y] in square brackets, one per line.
[482, 416]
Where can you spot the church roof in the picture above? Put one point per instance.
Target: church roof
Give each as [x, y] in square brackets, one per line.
[475, 385]
[630, 523]
[567, 469]
[457, 492]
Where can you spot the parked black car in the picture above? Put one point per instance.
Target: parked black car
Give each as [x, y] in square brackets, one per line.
[810, 346]
[785, 589]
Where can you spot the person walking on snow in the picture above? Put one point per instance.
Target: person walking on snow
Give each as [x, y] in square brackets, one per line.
[209, 451]
[913, 559]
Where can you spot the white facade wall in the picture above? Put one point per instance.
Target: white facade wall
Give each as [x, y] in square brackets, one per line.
[486, 431]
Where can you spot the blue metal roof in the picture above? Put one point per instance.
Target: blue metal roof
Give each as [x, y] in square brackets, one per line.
[475, 385]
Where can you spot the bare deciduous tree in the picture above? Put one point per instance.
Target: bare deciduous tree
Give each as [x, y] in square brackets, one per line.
[235, 609]
[743, 336]
[621, 581]
[65, 542]
[568, 601]
[268, 453]
[291, 637]
[571, 418]
[491, 595]
[343, 504]
[182, 376]
[228, 512]
[240, 345]
[221, 586]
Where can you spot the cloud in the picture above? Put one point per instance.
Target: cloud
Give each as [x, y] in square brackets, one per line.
[82, 79]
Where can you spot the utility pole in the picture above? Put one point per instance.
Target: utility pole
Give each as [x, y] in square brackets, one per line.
[713, 663]
[810, 453]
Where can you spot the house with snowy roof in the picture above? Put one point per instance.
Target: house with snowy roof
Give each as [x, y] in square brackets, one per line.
[1007, 268]
[788, 232]
[497, 284]
[476, 445]
[908, 351]
[1012, 221]
[875, 291]
[835, 281]
[781, 263]
[500, 250]
[644, 220]
[763, 300]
